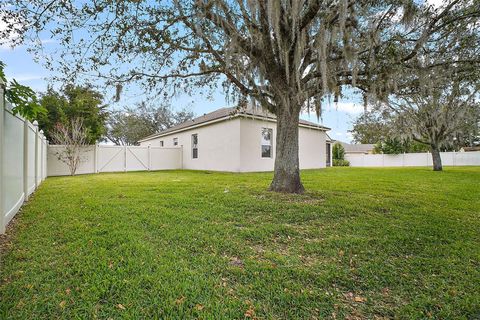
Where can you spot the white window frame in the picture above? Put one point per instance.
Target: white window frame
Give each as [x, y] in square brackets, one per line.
[262, 144]
[194, 146]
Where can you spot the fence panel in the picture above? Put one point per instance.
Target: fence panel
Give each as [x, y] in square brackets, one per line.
[165, 158]
[22, 159]
[111, 158]
[467, 159]
[103, 158]
[416, 159]
[55, 167]
[413, 159]
[393, 160]
[12, 166]
[137, 158]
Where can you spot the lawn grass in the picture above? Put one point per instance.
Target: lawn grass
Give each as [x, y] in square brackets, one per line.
[361, 243]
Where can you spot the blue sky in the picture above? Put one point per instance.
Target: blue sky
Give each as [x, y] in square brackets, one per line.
[22, 67]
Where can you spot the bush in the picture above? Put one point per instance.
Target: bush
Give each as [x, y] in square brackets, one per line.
[341, 163]
[338, 151]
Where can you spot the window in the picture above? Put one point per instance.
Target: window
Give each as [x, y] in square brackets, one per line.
[161, 143]
[194, 146]
[267, 142]
[175, 141]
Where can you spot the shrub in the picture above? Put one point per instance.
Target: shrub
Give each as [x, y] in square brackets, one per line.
[341, 163]
[338, 151]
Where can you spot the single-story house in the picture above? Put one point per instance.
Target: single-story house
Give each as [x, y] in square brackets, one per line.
[357, 148]
[470, 149]
[239, 140]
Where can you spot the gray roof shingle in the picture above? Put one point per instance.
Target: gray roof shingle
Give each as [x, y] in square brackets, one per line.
[357, 148]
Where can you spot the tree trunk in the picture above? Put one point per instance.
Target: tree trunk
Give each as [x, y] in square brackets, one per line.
[286, 177]
[437, 160]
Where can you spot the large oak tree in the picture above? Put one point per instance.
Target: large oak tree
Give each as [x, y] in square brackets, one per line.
[285, 55]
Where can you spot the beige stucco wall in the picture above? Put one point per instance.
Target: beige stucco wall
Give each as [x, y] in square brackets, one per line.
[218, 146]
[312, 146]
[235, 145]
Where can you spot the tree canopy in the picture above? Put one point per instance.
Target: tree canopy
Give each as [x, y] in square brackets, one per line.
[128, 126]
[396, 145]
[74, 102]
[370, 127]
[23, 98]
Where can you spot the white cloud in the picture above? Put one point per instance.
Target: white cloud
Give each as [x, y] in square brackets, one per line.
[26, 77]
[347, 107]
[351, 108]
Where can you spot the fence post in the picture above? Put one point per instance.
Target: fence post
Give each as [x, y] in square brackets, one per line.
[42, 147]
[125, 160]
[46, 157]
[25, 158]
[35, 123]
[149, 157]
[95, 158]
[2, 138]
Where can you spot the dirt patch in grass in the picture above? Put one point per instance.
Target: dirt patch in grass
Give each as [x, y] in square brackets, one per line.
[6, 239]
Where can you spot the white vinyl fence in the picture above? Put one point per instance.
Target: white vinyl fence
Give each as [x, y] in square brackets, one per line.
[413, 159]
[104, 158]
[23, 161]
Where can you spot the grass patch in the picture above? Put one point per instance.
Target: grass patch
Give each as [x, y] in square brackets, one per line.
[361, 243]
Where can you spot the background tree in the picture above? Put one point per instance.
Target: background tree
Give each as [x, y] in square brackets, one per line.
[469, 134]
[73, 138]
[338, 155]
[370, 127]
[71, 103]
[287, 56]
[338, 151]
[397, 145]
[162, 116]
[128, 126]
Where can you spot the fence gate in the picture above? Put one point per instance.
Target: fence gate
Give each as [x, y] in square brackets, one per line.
[137, 158]
[111, 158]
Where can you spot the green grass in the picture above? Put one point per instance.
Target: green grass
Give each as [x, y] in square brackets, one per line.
[361, 243]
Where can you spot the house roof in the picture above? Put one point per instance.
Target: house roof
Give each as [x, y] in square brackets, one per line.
[224, 114]
[470, 149]
[357, 148]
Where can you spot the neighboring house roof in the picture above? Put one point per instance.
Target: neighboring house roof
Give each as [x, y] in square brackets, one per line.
[470, 149]
[225, 114]
[357, 148]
